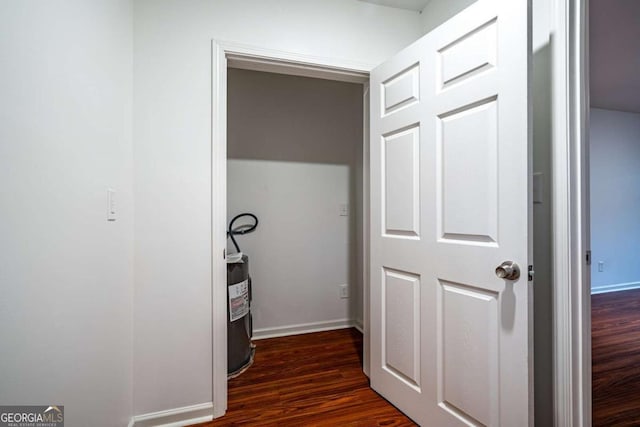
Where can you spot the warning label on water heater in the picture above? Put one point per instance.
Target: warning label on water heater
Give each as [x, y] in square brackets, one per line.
[238, 300]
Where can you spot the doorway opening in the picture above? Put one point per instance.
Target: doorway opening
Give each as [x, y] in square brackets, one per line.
[295, 160]
[614, 175]
[290, 145]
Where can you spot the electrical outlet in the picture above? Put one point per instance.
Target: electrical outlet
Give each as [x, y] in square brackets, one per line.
[600, 266]
[343, 291]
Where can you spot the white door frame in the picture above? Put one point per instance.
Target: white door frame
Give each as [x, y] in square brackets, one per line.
[243, 56]
[571, 274]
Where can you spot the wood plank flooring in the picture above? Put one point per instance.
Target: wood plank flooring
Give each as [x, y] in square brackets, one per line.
[615, 323]
[308, 380]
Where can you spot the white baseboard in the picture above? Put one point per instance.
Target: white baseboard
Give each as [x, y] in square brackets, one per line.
[177, 417]
[615, 288]
[359, 326]
[303, 328]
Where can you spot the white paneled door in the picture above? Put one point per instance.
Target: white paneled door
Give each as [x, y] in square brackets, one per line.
[451, 333]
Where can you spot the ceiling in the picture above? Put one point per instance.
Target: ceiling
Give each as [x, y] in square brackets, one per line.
[614, 37]
[415, 5]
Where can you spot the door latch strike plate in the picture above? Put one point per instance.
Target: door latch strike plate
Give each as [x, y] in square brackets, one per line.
[531, 273]
[588, 258]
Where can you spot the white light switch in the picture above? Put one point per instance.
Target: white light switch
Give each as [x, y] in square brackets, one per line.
[344, 291]
[111, 205]
[344, 209]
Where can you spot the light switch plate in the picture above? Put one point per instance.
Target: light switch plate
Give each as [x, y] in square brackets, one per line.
[111, 205]
[344, 291]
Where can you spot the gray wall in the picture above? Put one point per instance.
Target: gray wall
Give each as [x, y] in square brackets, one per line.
[615, 198]
[294, 145]
[542, 212]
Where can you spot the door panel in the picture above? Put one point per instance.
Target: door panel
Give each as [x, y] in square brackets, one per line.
[450, 166]
[469, 55]
[468, 319]
[401, 183]
[401, 326]
[473, 156]
[401, 90]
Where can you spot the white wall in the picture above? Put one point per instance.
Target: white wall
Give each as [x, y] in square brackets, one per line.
[615, 197]
[65, 272]
[172, 150]
[65, 137]
[293, 145]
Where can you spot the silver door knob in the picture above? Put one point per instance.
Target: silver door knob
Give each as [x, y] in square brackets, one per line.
[508, 270]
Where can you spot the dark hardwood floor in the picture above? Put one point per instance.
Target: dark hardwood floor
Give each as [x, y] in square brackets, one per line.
[615, 324]
[308, 380]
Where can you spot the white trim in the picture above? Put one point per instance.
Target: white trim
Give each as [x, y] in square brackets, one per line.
[275, 61]
[616, 287]
[571, 310]
[177, 417]
[302, 328]
[218, 230]
[327, 68]
[366, 230]
[293, 69]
